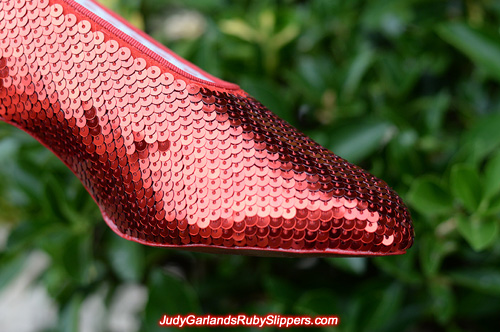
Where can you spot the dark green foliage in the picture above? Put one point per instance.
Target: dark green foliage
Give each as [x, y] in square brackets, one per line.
[408, 89]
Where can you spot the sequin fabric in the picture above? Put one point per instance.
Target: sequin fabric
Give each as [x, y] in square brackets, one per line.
[174, 161]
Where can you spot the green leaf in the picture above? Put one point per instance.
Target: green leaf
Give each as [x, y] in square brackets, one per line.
[400, 267]
[483, 279]
[54, 198]
[285, 36]
[483, 50]
[168, 295]
[435, 108]
[358, 68]
[432, 253]
[354, 265]
[8, 149]
[359, 139]
[429, 197]
[479, 233]
[239, 28]
[466, 186]
[387, 306]
[70, 315]
[126, 258]
[281, 291]
[25, 234]
[492, 176]
[389, 16]
[11, 266]
[317, 302]
[443, 300]
[493, 206]
[76, 258]
[483, 138]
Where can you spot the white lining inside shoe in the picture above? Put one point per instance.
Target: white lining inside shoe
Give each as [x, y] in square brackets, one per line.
[94, 8]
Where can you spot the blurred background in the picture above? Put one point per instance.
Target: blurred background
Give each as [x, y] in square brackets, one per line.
[408, 89]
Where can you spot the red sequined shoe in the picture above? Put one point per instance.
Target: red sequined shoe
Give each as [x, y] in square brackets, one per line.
[175, 157]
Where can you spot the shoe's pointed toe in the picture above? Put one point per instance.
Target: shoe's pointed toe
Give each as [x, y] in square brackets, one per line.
[177, 161]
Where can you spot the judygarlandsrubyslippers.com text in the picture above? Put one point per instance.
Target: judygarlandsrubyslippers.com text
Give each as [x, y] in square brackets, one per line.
[274, 320]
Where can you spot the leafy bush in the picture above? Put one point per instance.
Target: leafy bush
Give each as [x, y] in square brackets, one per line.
[406, 89]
